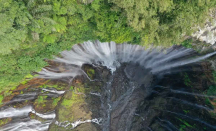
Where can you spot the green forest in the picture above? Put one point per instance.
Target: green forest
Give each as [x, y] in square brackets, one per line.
[34, 30]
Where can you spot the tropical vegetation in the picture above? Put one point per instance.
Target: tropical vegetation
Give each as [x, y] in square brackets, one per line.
[34, 30]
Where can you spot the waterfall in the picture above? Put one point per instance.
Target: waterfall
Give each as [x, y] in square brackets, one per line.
[118, 87]
[140, 65]
[112, 55]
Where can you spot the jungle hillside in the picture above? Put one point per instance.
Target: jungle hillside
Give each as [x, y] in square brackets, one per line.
[32, 31]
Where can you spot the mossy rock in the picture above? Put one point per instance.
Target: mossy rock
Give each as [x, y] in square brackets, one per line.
[73, 107]
[5, 121]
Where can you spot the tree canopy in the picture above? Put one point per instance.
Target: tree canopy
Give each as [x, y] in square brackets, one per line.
[32, 30]
[164, 22]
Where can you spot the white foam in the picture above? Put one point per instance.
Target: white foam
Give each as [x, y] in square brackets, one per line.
[112, 55]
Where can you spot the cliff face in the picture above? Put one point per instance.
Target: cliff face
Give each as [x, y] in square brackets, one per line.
[208, 32]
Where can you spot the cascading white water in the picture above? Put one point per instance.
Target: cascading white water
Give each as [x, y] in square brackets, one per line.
[14, 112]
[65, 124]
[132, 68]
[29, 125]
[26, 124]
[21, 120]
[141, 65]
[111, 55]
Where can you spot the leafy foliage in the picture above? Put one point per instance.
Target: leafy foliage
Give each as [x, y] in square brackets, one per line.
[187, 80]
[32, 30]
[164, 21]
[187, 43]
[13, 24]
[212, 90]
